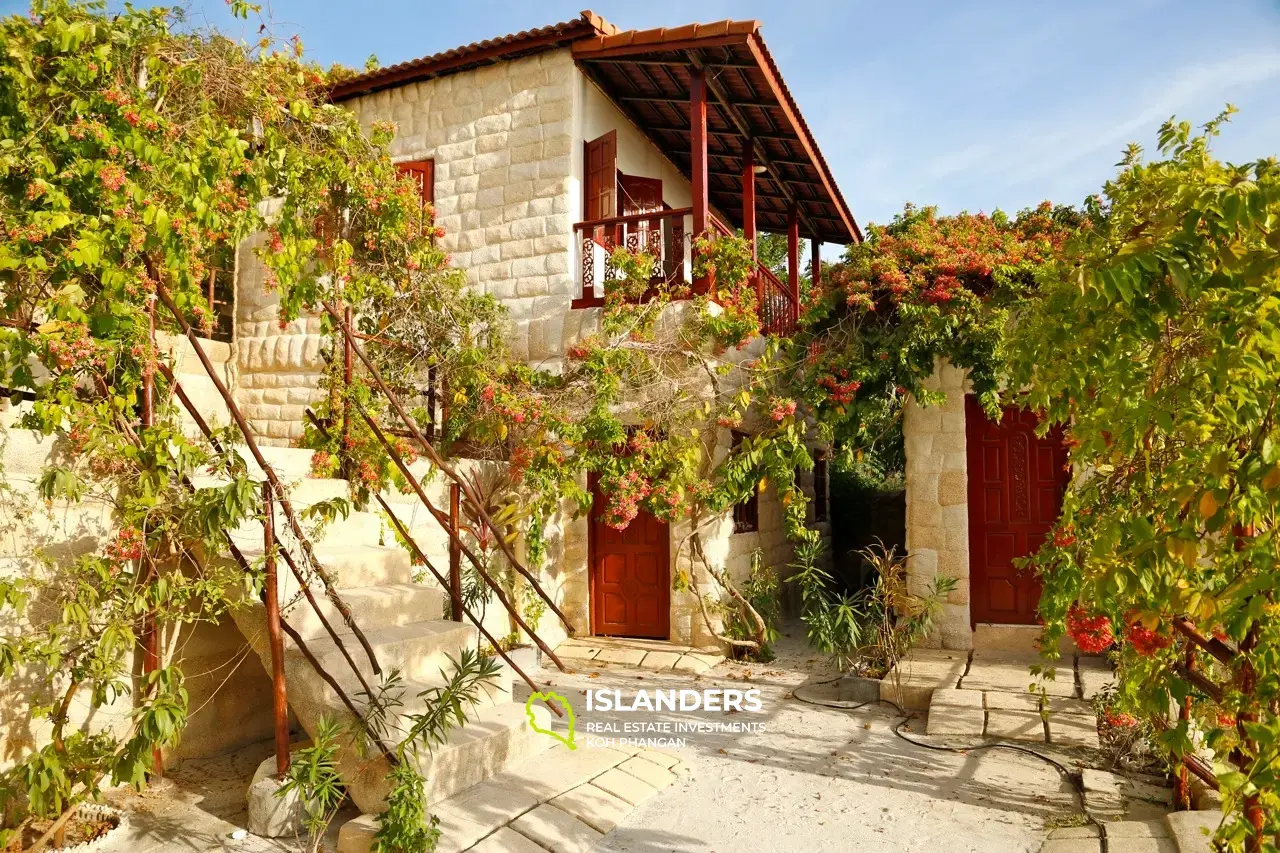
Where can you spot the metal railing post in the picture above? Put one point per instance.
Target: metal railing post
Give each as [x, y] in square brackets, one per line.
[271, 598]
[455, 551]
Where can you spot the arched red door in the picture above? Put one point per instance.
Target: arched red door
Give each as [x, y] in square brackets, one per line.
[1016, 484]
[630, 575]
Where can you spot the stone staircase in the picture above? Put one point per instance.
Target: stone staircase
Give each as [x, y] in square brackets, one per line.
[401, 619]
[403, 623]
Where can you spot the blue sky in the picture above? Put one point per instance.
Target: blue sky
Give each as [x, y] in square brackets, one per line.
[967, 105]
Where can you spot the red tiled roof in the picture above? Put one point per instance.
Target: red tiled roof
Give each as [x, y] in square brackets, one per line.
[471, 55]
[758, 101]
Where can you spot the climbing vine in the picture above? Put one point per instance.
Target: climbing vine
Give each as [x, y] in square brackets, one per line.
[1155, 344]
[136, 156]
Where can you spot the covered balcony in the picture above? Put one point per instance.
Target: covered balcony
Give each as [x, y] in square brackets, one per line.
[710, 98]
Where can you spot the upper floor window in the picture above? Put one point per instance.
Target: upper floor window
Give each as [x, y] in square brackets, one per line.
[423, 173]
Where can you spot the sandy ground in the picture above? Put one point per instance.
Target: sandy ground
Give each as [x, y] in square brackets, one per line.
[820, 779]
[816, 779]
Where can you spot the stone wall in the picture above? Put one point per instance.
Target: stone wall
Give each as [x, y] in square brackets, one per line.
[502, 140]
[937, 501]
[278, 370]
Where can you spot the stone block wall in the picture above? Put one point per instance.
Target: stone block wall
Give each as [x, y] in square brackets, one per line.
[278, 370]
[937, 501]
[502, 140]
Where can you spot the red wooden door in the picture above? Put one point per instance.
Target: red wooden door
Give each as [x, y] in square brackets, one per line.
[630, 576]
[1016, 483]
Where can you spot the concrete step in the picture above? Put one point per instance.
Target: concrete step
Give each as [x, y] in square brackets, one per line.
[418, 650]
[302, 493]
[372, 607]
[398, 718]
[350, 566]
[492, 739]
[1025, 639]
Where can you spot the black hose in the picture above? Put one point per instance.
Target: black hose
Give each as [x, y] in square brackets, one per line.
[1077, 782]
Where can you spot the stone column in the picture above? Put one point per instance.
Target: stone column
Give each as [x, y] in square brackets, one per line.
[937, 501]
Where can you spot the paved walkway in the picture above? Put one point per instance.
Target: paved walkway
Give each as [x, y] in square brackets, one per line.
[655, 655]
[797, 777]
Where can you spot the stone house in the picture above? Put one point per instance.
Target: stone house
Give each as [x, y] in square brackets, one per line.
[541, 151]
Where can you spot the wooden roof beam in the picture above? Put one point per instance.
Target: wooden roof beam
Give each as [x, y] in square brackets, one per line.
[735, 118]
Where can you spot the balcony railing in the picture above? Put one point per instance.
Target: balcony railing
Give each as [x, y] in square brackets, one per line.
[664, 235]
[778, 311]
[667, 237]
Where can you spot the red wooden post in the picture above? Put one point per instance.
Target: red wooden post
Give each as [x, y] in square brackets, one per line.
[698, 143]
[815, 272]
[146, 420]
[455, 551]
[1182, 781]
[793, 258]
[749, 194]
[271, 598]
[347, 373]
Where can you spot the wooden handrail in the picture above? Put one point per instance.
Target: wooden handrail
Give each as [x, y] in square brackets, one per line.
[454, 540]
[330, 588]
[403, 532]
[675, 213]
[448, 471]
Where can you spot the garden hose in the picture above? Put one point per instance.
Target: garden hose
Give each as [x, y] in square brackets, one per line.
[1077, 783]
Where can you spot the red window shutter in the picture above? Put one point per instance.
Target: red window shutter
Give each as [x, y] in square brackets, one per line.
[423, 172]
[600, 187]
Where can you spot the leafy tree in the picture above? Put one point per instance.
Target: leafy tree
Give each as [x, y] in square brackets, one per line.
[133, 157]
[1156, 343]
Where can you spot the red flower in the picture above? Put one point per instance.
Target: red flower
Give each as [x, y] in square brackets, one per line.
[1145, 641]
[1119, 719]
[1092, 633]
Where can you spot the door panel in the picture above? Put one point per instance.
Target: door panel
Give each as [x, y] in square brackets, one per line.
[1016, 483]
[630, 576]
[600, 186]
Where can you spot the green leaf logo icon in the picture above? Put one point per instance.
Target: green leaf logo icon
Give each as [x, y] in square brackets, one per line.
[568, 716]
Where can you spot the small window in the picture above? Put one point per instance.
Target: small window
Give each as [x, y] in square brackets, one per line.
[423, 173]
[821, 479]
[746, 515]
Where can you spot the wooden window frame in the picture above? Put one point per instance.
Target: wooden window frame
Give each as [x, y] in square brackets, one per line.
[426, 183]
[746, 514]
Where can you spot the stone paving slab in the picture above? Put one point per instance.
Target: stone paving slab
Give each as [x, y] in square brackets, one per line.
[559, 800]
[1010, 672]
[625, 657]
[950, 697]
[1095, 675]
[624, 786]
[594, 806]
[911, 683]
[1073, 730]
[652, 655]
[1016, 725]
[1188, 829]
[556, 830]
[954, 721]
[1137, 829]
[1072, 845]
[507, 841]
